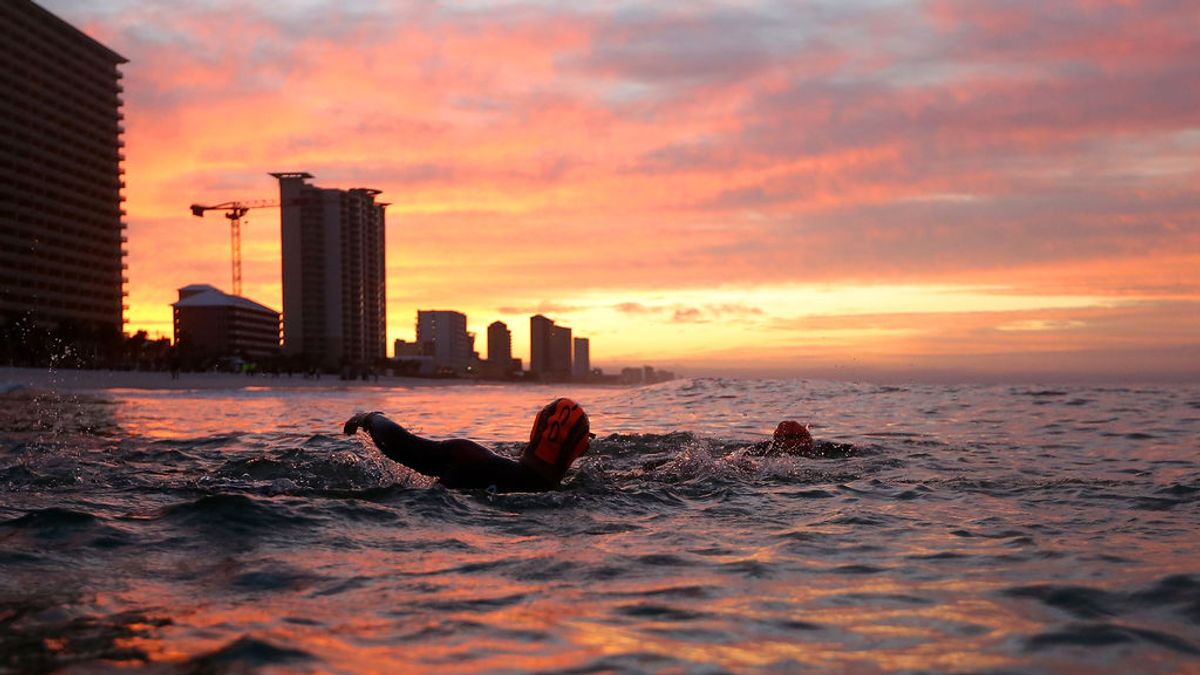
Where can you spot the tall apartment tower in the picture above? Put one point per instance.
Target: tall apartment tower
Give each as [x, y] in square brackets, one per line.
[62, 244]
[583, 358]
[500, 346]
[334, 297]
[443, 333]
[549, 349]
[560, 351]
[539, 344]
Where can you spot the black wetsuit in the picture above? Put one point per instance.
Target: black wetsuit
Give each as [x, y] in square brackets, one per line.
[819, 449]
[827, 449]
[458, 463]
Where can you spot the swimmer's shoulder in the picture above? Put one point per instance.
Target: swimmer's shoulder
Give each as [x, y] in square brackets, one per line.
[833, 449]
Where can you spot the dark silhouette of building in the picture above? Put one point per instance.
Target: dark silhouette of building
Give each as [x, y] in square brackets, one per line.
[499, 346]
[583, 359]
[539, 344]
[334, 297]
[549, 349]
[404, 348]
[560, 352]
[61, 231]
[645, 375]
[212, 324]
[443, 334]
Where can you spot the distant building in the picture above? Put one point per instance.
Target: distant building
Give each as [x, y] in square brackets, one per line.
[632, 376]
[62, 241]
[443, 334]
[403, 348]
[582, 367]
[499, 345]
[334, 295]
[644, 375]
[539, 344]
[212, 324]
[549, 349]
[560, 351]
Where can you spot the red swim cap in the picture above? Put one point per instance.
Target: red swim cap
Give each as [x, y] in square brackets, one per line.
[791, 435]
[560, 434]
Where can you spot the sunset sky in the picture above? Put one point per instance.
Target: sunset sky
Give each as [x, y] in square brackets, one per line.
[841, 188]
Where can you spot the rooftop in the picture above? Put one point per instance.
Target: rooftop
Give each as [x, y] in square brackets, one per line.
[203, 295]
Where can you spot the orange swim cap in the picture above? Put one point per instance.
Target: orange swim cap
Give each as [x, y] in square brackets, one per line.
[791, 435]
[560, 434]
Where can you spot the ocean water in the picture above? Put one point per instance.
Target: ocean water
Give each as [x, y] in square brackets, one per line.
[1013, 528]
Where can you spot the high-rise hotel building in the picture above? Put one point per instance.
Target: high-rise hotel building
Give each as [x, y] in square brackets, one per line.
[549, 349]
[499, 339]
[582, 365]
[334, 298]
[443, 334]
[539, 344]
[62, 242]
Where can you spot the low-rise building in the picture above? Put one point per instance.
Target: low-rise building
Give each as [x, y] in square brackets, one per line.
[213, 324]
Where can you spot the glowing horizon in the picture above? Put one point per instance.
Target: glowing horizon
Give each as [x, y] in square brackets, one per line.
[837, 187]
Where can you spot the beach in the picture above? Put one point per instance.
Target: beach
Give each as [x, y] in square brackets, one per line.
[96, 380]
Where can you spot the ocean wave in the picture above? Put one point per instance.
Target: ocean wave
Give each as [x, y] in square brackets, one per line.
[1000, 525]
[235, 514]
[247, 654]
[1178, 594]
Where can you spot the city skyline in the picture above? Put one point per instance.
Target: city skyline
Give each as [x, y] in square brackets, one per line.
[444, 348]
[913, 189]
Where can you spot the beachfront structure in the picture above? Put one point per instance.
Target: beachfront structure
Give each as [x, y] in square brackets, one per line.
[582, 366]
[539, 344]
[212, 324]
[549, 349]
[560, 351]
[499, 346]
[334, 297]
[500, 365]
[404, 349]
[443, 334]
[62, 242]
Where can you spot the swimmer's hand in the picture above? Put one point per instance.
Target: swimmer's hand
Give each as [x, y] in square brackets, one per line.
[357, 422]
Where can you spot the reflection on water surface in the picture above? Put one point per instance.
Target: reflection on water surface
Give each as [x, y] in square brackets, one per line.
[978, 528]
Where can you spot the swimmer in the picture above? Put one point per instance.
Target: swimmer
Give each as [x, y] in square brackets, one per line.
[790, 439]
[793, 438]
[561, 434]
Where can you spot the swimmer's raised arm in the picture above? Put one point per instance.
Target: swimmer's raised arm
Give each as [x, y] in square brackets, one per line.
[399, 445]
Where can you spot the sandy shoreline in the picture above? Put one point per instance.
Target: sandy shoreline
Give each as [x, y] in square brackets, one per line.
[84, 380]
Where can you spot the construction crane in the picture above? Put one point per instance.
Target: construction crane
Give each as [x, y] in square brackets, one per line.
[234, 212]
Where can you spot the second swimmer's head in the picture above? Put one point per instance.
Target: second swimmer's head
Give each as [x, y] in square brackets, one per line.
[561, 433]
[792, 437]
